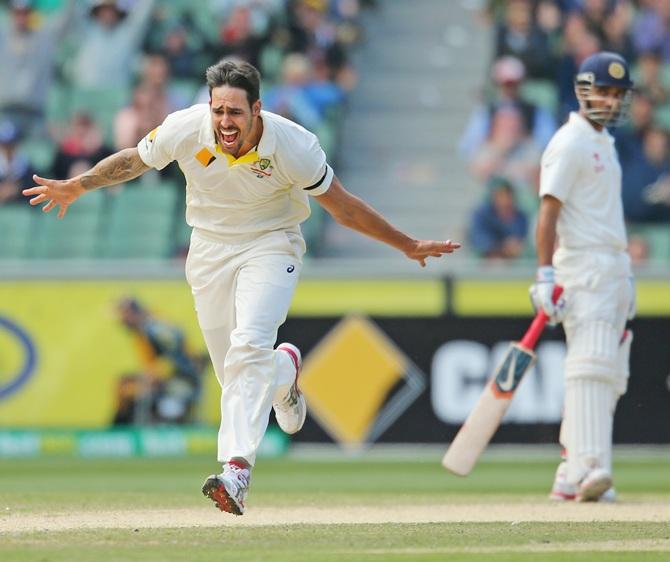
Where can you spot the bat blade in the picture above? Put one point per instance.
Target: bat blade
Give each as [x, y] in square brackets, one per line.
[485, 418]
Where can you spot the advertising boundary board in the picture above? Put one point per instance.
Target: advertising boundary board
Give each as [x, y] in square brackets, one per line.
[643, 414]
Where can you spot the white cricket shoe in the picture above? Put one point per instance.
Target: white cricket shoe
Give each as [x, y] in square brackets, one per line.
[562, 490]
[228, 490]
[596, 482]
[291, 410]
[609, 496]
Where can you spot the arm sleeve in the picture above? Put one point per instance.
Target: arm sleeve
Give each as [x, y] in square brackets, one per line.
[157, 148]
[560, 166]
[309, 170]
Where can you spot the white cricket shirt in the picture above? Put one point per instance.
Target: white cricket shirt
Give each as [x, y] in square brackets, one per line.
[580, 167]
[264, 190]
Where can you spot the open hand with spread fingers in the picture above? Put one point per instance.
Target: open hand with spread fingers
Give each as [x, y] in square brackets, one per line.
[423, 249]
[54, 193]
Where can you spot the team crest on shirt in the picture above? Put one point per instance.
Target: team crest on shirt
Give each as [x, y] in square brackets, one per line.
[599, 166]
[150, 138]
[262, 168]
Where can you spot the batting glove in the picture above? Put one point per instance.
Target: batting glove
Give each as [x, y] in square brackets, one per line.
[541, 295]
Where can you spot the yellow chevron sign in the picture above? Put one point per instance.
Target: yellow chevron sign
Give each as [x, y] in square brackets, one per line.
[350, 377]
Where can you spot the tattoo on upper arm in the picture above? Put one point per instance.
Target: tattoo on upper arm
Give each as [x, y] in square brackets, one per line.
[117, 168]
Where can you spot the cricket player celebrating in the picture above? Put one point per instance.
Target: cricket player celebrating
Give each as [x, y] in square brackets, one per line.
[248, 177]
[581, 210]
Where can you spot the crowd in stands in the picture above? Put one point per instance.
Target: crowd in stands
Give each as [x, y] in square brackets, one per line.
[538, 46]
[80, 79]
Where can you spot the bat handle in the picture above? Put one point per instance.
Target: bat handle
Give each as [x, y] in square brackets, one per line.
[539, 322]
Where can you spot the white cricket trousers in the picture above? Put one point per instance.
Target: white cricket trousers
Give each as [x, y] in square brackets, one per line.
[242, 290]
[598, 294]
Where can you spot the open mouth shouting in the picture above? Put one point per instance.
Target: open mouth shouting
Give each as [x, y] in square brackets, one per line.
[229, 138]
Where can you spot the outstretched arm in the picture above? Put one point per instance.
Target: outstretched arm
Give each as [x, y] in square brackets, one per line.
[351, 211]
[123, 166]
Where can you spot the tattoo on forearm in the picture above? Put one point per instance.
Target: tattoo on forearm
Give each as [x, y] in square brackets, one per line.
[117, 168]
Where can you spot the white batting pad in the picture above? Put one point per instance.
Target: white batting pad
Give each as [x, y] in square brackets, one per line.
[588, 426]
[592, 351]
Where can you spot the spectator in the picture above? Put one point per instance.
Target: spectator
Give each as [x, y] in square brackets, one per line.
[155, 76]
[27, 60]
[509, 151]
[184, 60]
[82, 144]
[643, 178]
[15, 169]
[312, 32]
[298, 97]
[499, 228]
[578, 44]
[519, 35]
[109, 44]
[148, 110]
[507, 75]
[616, 35]
[650, 77]
[629, 137]
[651, 30]
[240, 35]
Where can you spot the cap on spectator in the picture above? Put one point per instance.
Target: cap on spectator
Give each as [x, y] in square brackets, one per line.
[507, 70]
[499, 182]
[9, 132]
[24, 5]
[97, 4]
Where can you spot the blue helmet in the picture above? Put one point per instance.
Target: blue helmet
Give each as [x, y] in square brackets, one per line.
[604, 70]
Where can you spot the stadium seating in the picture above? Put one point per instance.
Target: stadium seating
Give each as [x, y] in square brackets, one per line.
[75, 237]
[141, 222]
[16, 227]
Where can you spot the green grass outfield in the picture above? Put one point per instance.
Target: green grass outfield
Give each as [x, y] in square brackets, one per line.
[328, 509]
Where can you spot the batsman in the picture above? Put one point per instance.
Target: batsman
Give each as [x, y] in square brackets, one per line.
[581, 245]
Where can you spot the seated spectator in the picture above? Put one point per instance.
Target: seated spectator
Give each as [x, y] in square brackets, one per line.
[519, 35]
[507, 75]
[298, 97]
[650, 77]
[16, 172]
[498, 228]
[147, 110]
[617, 25]
[155, 76]
[629, 137]
[578, 44]
[509, 151]
[312, 32]
[239, 35]
[184, 60]
[82, 145]
[651, 30]
[645, 178]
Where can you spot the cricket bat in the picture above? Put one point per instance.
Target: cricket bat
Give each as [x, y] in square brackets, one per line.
[485, 418]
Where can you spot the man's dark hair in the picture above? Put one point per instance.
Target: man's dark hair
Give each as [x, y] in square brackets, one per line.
[237, 74]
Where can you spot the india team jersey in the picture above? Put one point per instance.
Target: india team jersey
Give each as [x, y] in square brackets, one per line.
[581, 169]
[264, 190]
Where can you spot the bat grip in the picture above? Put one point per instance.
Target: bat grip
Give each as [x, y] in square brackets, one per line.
[539, 322]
